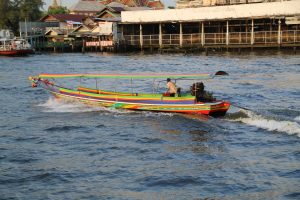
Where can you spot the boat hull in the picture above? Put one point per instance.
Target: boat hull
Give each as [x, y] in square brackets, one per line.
[16, 52]
[185, 103]
[170, 104]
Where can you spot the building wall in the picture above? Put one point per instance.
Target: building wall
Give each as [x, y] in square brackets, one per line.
[204, 3]
[275, 9]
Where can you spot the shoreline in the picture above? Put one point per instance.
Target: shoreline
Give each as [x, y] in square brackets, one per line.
[208, 51]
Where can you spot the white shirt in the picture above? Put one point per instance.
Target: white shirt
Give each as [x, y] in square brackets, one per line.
[171, 87]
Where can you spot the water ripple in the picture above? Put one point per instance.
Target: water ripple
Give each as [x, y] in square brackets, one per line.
[63, 128]
[153, 181]
[51, 149]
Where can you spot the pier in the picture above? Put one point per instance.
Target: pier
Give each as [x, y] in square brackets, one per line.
[268, 25]
[288, 38]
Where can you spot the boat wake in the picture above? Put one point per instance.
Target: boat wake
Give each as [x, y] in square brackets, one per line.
[244, 116]
[157, 114]
[270, 124]
[61, 106]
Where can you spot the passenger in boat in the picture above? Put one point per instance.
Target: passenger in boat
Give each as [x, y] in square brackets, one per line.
[171, 88]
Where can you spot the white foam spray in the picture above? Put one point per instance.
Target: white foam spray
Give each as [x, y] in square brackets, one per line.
[61, 106]
[157, 114]
[259, 121]
[297, 118]
[57, 105]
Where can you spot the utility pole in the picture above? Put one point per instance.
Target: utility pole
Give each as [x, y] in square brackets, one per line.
[26, 34]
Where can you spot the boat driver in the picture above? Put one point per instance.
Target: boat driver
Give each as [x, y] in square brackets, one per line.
[171, 88]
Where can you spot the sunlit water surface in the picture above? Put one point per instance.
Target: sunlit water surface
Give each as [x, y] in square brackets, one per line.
[51, 149]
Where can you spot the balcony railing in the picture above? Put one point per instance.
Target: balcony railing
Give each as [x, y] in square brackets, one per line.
[216, 39]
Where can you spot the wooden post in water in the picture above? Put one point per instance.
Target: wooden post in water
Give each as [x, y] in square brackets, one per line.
[122, 43]
[200, 32]
[42, 43]
[227, 33]
[72, 45]
[279, 32]
[83, 45]
[252, 32]
[180, 34]
[101, 47]
[141, 36]
[202, 35]
[54, 47]
[247, 31]
[160, 36]
[99, 43]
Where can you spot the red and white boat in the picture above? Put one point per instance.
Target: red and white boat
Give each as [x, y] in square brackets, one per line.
[15, 47]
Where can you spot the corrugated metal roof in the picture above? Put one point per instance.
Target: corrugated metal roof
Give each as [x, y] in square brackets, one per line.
[259, 10]
[116, 19]
[137, 8]
[65, 17]
[92, 6]
[156, 4]
[116, 9]
[115, 4]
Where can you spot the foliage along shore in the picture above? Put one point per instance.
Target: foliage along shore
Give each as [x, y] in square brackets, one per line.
[21, 10]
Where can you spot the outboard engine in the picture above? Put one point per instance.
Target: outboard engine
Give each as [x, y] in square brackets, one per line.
[197, 90]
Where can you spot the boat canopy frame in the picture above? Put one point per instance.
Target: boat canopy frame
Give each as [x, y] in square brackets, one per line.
[155, 88]
[126, 76]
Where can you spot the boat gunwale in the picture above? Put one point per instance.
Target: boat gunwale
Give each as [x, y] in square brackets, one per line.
[195, 107]
[119, 99]
[140, 95]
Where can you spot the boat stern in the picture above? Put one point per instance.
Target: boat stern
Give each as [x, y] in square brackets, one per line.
[219, 110]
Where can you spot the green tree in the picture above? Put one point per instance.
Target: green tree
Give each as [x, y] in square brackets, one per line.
[58, 10]
[30, 9]
[5, 7]
[10, 18]
[14, 11]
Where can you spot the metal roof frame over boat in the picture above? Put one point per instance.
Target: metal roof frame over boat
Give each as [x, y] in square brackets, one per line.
[127, 76]
[243, 11]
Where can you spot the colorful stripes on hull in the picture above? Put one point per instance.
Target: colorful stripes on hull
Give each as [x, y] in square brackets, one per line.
[176, 106]
[152, 99]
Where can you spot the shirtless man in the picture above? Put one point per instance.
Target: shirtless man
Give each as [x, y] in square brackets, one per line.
[171, 87]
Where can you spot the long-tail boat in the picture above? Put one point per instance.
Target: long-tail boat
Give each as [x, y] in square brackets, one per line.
[196, 101]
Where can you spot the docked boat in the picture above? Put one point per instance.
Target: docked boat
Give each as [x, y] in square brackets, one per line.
[15, 47]
[195, 101]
